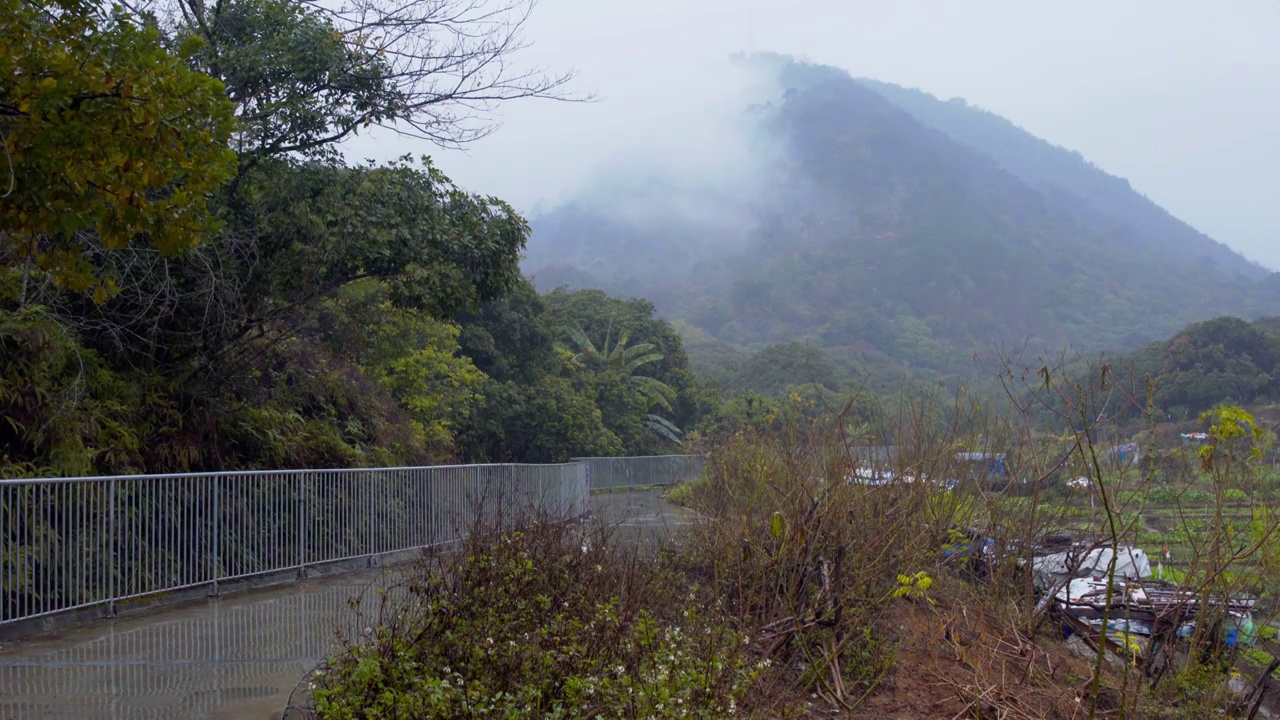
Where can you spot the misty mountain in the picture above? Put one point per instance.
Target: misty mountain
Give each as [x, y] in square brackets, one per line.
[885, 224]
[1066, 175]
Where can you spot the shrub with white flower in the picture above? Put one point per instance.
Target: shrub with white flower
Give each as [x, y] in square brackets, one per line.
[539, 624]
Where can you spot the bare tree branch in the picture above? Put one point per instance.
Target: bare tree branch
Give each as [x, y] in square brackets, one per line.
[430, 69]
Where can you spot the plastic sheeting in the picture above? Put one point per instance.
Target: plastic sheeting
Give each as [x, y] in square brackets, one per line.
[1131, 564]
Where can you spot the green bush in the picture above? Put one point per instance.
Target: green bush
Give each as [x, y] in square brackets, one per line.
[542, 623]
[683, 494]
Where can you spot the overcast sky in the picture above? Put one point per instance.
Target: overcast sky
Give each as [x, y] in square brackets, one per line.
[1181, 97]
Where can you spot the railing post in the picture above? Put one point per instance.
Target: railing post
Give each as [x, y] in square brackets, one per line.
[215, 529]
[302, 526]
[112, 564]
[510, 501]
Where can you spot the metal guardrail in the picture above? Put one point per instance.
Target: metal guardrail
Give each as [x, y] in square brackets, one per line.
[611, 473]
[71, 543]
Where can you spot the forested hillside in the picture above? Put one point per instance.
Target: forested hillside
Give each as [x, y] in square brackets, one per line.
[191, 277]
[899, 248]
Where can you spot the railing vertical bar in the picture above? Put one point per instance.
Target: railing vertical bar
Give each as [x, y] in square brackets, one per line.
[403, 539]
[430, 481]
[149, 517]
[111, 546]
[64, 566]
[215, 527]
[39, 578]
[362, 509]
[28, 572]
[276, 543]
[300, 507]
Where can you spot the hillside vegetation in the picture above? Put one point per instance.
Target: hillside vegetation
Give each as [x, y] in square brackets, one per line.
[900, 234]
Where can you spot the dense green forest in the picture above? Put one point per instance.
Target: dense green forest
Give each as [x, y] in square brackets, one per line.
[899, 236]
[192, 277]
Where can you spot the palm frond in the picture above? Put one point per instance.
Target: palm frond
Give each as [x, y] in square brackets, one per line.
[663, 428]
[579, 336]
[617, 354]
[636, 362]
[658, 392]
[638, 350]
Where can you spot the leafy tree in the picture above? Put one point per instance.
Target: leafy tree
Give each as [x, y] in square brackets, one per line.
[298, 85]
[510, 337]
[548, 420]
[536, 404]
[778, 367]
[412, 357]
[295, 235]
[436, 247]
[434, 384]
[625, 410]
[748, 410]
[107, 138]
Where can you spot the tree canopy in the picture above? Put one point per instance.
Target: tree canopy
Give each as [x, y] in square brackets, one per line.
[1217, 361]
[105, 132]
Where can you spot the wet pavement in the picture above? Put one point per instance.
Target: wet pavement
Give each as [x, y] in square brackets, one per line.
[231, 657]
[239, 656]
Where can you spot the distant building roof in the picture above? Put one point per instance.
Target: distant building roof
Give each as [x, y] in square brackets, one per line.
[979, 456]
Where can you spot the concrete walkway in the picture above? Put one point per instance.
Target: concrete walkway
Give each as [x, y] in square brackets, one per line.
[239, 656]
